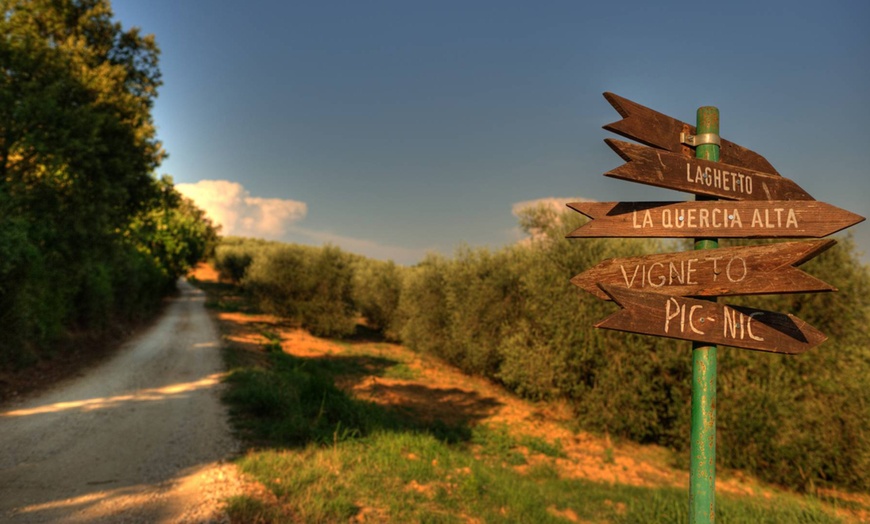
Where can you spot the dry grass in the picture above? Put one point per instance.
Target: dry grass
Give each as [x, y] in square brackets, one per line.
[428, 390]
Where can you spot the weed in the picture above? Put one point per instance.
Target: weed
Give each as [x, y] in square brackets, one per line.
[334, 458]
[497, 443]
[247, 510]
[539, 445]
[401, 371]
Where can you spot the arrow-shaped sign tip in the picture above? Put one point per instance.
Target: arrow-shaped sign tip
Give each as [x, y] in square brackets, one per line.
[618, 147]
[617, 102]
[581, 207]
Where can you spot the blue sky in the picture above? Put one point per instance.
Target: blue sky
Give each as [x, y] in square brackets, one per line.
[397, 128]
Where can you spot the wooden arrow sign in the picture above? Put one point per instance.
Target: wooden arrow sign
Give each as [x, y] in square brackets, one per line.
[705, 321]
[702, 177]
[722, 219]
[747, 270]
[657, 130]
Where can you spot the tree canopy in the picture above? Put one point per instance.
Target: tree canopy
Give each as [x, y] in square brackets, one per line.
[80, 207]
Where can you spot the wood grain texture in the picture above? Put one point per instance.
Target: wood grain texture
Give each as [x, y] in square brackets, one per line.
[745, 270]
[701, 177]
[717, 219]
[655, 129]
[704, 321]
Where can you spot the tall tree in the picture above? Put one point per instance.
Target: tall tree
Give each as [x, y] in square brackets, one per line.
[86, 232]
[77, 141]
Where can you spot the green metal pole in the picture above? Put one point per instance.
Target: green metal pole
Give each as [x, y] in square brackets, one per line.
[702, 472]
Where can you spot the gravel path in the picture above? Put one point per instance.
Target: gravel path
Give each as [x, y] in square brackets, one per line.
[141, 438]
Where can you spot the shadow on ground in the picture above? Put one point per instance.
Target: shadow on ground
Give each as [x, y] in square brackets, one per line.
[289, 389]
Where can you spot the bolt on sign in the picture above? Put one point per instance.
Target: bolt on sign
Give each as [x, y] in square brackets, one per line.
[755, 202]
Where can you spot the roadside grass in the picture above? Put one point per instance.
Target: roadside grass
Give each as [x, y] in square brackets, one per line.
[326, 456]
[406, 477]
[222, 296]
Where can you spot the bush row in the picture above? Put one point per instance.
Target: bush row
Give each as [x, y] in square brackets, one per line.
[88, 236]
[512, 316]
[53, 283]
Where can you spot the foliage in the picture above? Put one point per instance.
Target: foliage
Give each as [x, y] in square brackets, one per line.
[88, 237]
[311, 285]
[326, 457]
[231, 262]
[173, 232]
[377, 288]
[512, 316]
[804, 420]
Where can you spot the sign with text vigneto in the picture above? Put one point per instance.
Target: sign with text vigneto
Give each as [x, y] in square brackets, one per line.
[756, 203]
[729, 271]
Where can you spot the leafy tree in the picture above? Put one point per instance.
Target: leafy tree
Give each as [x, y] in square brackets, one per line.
[77, 142]
[87, 235]
[174, 232]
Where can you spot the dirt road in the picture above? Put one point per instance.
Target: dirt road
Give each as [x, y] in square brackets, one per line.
[140, 438]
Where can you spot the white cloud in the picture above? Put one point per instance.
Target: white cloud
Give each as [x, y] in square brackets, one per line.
[232, 206]
[240, 214]
[554, 203]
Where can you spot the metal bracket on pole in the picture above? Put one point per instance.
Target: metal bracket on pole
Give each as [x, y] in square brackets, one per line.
[700, 140]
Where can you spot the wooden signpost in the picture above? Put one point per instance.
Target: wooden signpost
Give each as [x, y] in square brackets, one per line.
[721, 219]
[701, 177]
[730, 271]
[673, 294]
[663, 132]
[705, 321]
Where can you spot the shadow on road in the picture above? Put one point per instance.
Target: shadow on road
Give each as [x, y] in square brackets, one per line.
[119, 442]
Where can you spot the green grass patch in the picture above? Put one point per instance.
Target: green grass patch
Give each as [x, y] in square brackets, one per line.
[401, 371]
[539, 445]
[273, 341]
[497, 444]
[248, 510]
[224, 297]
[289, 405]
[414, 477]
[328, 457]
[293, 401]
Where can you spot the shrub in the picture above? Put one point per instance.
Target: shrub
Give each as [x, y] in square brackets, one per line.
[232, 262]
[512, 316]
[310, 285]
[422, 316]
[377, 288]
[328, 307]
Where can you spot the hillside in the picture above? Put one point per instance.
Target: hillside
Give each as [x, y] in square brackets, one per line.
[493, 427]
